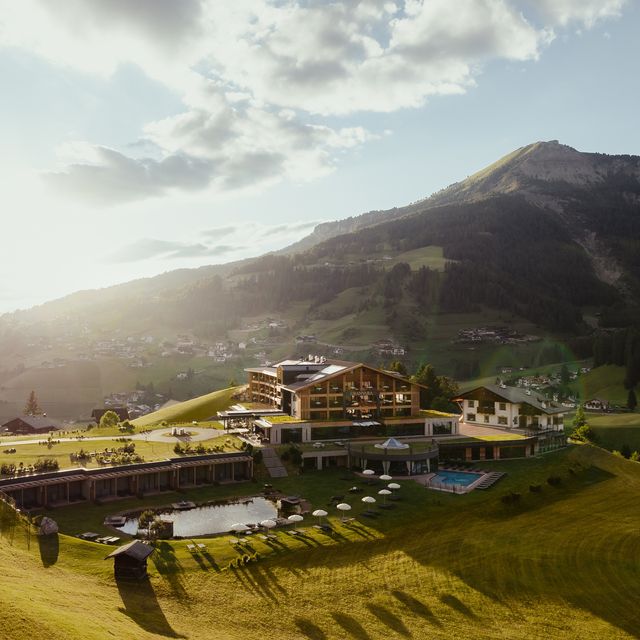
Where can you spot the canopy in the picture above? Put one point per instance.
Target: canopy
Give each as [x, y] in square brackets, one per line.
[319, 513]
[391, 443]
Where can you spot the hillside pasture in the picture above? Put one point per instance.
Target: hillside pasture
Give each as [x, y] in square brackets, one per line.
[200, 408]
[563, 563]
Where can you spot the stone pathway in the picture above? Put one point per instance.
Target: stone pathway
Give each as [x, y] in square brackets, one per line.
[273, 463]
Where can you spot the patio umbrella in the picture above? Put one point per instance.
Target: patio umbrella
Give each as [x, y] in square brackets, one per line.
[343, 506]
[319, 513]
[368, 473]
[393, 486]
[295, 518]
[384, 493]
[268, 524]
[239, 527]
[386, 477]
[369, 499]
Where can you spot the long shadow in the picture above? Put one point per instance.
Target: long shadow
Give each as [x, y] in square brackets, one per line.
[141, 605]
[390, 619]
[416, 606]
[312, 631]
[273, 581]
[247, 579]
[351, 626]
[453, 602]
[359, 530]
[168, 566]
[209, 558]
[49, 549]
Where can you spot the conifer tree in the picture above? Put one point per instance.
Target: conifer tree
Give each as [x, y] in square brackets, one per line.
[32, 408]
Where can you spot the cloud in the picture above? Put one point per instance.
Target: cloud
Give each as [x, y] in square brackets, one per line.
[285, 229]
[148, 248]
[219, 232]
[259, 79]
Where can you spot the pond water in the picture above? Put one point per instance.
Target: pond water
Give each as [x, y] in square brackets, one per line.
[208, 519]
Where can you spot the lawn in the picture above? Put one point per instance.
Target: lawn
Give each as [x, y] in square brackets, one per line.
[149, 450]
[615, 430]
[199, 408]
[563, 564]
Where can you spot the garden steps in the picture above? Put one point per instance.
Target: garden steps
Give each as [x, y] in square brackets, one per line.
[273, 463]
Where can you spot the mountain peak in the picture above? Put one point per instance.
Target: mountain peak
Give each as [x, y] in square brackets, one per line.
[527, 168]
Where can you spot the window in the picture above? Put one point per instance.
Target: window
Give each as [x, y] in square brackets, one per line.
[472, 403]
[486, 417]
[502, 420]
[471, 417]
[503, 406]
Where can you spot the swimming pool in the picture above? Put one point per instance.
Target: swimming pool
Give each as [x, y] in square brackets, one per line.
[450, 478]
[210, 519]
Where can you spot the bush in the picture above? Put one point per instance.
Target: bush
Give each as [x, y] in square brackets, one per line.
[535, 488]
[257, 456]
[511, 498]
[554, 481]
[583, 433]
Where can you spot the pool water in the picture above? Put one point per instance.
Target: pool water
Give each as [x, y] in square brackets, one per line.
[209, 519]
[462, 478]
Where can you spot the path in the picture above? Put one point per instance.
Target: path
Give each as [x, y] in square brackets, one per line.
[273, 463]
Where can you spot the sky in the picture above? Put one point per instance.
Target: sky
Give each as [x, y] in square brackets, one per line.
[141, 137]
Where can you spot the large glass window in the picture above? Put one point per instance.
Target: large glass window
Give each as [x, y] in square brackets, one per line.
[471, 417]
[442, 429]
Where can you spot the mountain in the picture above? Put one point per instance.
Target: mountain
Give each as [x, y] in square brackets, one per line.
[544, 242]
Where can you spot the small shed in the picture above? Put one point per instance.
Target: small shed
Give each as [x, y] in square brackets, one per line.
[130, 560]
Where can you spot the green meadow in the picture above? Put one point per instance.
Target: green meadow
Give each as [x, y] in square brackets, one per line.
[563, 562]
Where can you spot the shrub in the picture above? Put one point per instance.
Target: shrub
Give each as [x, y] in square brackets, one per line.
[554, 481]
[535, 488]
[511, 498]
[257, 456]
[583, 433]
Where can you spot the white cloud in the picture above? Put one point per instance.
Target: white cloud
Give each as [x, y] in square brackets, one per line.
[254, 75]
[587, 12]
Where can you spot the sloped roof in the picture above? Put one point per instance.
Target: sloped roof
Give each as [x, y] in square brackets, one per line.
[136, 550]
[39, 423]
[516, 395]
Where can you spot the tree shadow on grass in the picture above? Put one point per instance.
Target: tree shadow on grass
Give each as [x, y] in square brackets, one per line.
[312, 631]
[351, 626]
[168, 566]
[389, 618]
[416, 606]
[141, 605]
[252, 580]
[49, 549]
[453, 602]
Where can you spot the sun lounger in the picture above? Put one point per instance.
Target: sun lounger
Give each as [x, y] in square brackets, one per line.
[202, 547]
[262, 536]
[191, 547]
[234, 541]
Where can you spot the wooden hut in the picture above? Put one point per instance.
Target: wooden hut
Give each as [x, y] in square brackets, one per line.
[130, 560]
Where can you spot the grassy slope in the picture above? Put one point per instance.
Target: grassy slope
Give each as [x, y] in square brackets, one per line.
[199, 408]
[604, 382]
[615, 430]
[564, 565]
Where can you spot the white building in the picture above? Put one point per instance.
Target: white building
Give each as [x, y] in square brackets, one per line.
[511, 408]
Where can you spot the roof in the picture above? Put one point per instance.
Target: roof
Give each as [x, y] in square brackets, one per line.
[136, 550]
[39, 423]
[121, 412]
[518, 396]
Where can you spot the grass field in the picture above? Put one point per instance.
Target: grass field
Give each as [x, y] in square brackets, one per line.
[605, 382]
[199, 408]
[28, 454]
[615, 430]
[563, 564]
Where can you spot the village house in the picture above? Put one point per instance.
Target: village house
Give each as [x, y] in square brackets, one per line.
[31, 424]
